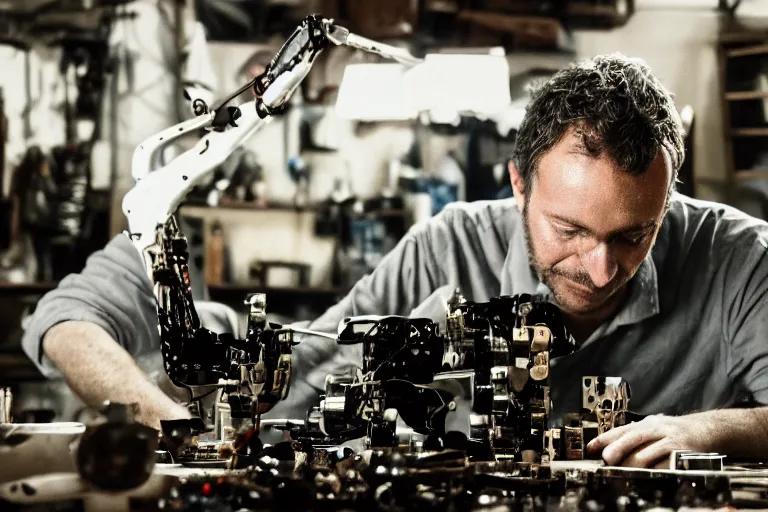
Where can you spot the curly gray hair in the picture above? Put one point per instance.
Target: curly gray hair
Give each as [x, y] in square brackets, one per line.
[615, 104]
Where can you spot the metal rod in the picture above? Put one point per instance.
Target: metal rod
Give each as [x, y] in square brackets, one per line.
[310, 332]
[400, 55]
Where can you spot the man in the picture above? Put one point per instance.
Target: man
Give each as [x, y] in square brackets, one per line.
[667, 292]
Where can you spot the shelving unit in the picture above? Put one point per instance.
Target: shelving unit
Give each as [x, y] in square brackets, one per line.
[14, 289]
[16, 367]
[194, 207]
[750, 132]
[280, 299]
[743, 60]
[21, 289]
[242, 205]
[745, 95]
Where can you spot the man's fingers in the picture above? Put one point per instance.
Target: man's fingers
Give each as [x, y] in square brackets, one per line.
[609, 437]
[616, 452]
[649, 455]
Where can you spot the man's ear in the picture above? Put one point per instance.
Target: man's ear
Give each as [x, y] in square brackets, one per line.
[518, 186]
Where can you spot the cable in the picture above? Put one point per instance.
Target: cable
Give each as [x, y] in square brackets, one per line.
[193, 398]
[309, 332]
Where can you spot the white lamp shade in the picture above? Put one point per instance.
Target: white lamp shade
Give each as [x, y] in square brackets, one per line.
[476, 84]
[445, 85]
[373, 92]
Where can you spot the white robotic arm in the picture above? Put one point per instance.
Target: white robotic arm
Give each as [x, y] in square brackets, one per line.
[255, 370]
[158, 193]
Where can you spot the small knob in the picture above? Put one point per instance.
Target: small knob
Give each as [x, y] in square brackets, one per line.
[256, 300]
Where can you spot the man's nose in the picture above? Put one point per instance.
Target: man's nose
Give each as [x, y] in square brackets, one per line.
[600, 264]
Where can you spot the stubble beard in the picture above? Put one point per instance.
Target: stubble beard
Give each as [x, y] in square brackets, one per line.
[545, 275]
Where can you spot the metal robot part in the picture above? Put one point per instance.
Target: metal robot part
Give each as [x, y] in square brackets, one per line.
[608, 398]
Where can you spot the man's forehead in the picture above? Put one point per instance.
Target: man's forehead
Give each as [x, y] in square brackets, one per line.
[573, 144]
[593, 193]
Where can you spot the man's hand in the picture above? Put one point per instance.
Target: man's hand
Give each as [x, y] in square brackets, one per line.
[648, 443]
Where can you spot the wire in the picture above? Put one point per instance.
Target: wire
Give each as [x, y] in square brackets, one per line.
[193, 398]
[237, 93]
[309, 332]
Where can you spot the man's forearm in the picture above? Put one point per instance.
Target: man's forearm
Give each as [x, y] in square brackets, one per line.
[735, 432]
[97, 369]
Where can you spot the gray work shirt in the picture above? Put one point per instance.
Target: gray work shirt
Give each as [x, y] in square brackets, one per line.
[692, 335]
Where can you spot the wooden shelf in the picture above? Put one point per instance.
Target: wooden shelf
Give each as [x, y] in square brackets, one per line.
[749, 50]
[16, 367]
[750, 132]
[233, 205]
[744, 132]
[760, 173]
[389, 213]
[14, 289]
[741, 36]
[201, 207]
[746, 95]
[8, 289]
[246, 288]
[279, 299]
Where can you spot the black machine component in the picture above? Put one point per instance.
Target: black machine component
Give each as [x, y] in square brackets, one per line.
[505, 462]
[400, 356]
[505, 345]
[117, 454]
[254, 373]
[514, 339]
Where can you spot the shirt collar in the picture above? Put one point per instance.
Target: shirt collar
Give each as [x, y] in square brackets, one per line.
[519, 277]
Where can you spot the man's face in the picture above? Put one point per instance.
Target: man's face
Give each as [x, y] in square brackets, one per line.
[589, 224]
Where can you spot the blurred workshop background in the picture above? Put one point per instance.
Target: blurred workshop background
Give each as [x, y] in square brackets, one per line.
[313, 202]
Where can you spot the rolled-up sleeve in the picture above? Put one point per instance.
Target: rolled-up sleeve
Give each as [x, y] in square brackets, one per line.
[113, 291]
[746, 328]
